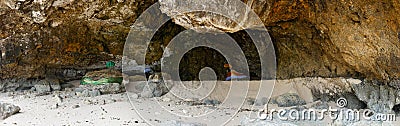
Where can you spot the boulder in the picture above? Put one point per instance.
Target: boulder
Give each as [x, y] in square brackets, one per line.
[7, 109]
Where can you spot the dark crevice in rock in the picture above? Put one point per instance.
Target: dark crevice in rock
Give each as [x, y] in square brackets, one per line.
[160, 40]
[194, 60]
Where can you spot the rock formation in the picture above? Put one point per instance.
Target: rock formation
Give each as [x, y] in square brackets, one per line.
[357, 39]
[64, 39]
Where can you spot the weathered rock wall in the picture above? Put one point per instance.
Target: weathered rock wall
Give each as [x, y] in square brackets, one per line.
[357, 39]
[62, 36]
[318, 38]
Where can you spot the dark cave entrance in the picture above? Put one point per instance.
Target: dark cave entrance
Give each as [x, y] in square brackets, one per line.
[197, 58]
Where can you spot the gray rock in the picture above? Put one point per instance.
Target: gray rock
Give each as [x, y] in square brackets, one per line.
[353, 102]
[75, 106]
[33, 89]
[58, 98]
[84, 93]
[80, 92]
[140, 86]
[87, 102]
[6, 110]
[147, 93]
[54, 106]
[96, 90]
[94, 93]
[379, 98]
[43, 86]
[54, 84]
[9, 85]
[260, 102]
[110, 88]
[320, 105]
[289, 99]
[153, 90]
[211, 102]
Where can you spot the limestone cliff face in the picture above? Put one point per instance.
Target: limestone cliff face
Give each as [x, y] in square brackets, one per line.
[318, 38]
[40, 37]
[358, 39]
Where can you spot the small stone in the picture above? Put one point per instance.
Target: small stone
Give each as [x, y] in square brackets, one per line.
[58, 98]
[75, 106]
[289, 99]
[102, 102]
[166, 99]
[87, 102]
[33, 89]
[155, 87]
[56, 87]
[54, 106]
[85, 93]
[42, 86]
[94, 93]
[110, 100]
[211, 102]
[54, 84]
[80, 90]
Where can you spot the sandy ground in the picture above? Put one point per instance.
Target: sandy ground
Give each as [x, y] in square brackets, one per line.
[40, 111]
[116, 109]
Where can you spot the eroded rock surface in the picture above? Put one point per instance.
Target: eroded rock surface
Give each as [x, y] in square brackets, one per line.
[312, 38]
[62, 37]
[315, 38]
[379, 98]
